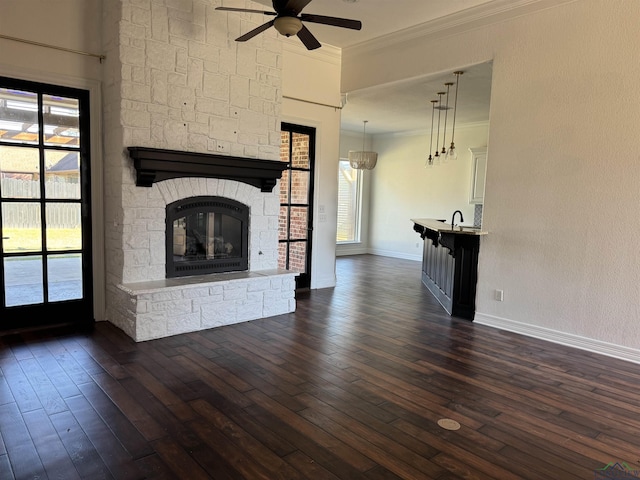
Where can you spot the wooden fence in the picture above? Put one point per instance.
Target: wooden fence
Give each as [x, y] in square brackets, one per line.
[27, 215]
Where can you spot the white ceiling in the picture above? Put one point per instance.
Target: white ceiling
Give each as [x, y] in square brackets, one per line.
[406, 106]
[378, 17]
[403, 106]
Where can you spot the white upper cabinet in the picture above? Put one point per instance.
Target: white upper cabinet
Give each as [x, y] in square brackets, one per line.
[478, 173]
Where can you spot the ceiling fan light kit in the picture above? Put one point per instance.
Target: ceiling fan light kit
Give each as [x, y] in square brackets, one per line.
[287, 26]
[289, 21]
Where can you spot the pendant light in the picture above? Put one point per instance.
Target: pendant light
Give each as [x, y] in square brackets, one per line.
[443, 153]
[436, 157]
[452, 154]
[429, 162]
[363, 160]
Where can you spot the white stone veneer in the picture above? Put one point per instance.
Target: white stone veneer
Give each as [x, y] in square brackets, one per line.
[144, 229]
[149, 310]
[174, 78]
[147, 305]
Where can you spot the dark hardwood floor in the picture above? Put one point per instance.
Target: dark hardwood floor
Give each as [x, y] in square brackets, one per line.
[350, 386]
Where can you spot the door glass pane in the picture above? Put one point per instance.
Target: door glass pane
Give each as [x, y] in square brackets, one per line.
[299, 226]
[23, 280]
[300, 150]
[299, 186]
[282, 255]
[64, 274]
[20, 172]
[21, 230]
[18, 116]
[282, 222]
[62, 175]
[61, 121]
[284, 146]
[297, 256]
[64, 227]
[284, 187]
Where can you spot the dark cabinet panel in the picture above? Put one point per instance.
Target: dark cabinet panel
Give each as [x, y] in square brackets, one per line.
[450, 270]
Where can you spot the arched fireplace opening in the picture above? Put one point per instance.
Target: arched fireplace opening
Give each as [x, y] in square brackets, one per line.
[206, 235]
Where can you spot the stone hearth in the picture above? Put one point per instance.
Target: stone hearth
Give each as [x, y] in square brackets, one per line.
[179, 305]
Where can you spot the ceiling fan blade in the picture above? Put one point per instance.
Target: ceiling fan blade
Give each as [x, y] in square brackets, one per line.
[290, 7]
[336, 22]
[231, 9]
[255, 31]
[308, 39]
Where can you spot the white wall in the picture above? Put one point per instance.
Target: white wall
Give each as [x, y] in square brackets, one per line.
[311, 86]
[563, 165]
[400, 183]
[69, 24]
[72, 25]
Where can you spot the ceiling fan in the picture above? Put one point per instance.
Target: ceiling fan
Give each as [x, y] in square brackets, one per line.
[289, 20]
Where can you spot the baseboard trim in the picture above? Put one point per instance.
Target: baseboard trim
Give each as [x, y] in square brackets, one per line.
[562, 338]
[350, 249]
[392, 254]
[328, 281]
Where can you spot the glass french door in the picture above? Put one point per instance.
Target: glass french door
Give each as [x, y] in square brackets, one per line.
[297, 148]
[45, 247]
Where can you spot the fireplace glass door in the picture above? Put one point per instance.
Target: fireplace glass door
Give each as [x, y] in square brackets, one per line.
[206, 235]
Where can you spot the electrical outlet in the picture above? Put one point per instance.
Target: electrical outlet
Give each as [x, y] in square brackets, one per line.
[499, 295]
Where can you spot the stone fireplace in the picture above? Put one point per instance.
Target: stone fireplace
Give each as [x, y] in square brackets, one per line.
[219, 246]
[205, 113]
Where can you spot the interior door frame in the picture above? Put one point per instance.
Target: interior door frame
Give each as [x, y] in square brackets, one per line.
[77, 312]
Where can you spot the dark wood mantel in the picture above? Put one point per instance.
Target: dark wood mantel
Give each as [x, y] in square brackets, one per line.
[155, 164]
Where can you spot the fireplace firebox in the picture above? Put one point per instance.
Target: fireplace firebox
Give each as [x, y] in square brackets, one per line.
[206, 235]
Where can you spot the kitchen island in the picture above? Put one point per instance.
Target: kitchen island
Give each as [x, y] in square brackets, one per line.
[450, 264]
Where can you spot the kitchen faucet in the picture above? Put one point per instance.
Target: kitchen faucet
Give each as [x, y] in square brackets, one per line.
[454, 216]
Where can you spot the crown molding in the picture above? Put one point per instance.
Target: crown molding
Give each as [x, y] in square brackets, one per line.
[326, 53]
[465, 20]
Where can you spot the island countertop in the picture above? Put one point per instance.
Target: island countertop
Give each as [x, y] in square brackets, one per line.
[441, 226]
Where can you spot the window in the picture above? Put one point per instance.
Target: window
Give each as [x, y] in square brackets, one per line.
[349, 196]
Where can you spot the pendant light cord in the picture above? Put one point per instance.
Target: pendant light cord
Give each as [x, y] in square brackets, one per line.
[439, 115]
[433, 109]
[455, 106]
[446, 111]
[364, 133]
